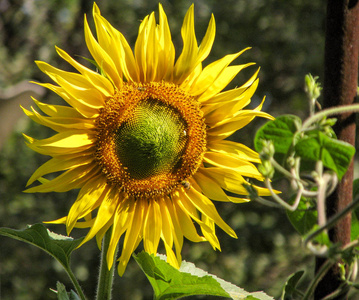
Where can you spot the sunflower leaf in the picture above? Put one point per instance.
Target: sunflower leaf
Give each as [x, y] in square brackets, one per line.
[280, 131]
[170, 283]
[58, 246]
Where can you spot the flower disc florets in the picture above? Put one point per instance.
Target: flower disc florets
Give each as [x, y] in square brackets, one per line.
[150, 138]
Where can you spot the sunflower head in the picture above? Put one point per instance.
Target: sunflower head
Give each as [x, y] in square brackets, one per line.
[145, 139]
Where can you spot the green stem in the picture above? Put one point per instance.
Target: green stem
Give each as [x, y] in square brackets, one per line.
[105, 280]
[333, 220]
[329, 112]
[280, 200]
[76, 284]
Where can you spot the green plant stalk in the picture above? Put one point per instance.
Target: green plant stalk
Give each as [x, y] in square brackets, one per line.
[76, 284]
[329, 112]
[279, 200]
[105, 280]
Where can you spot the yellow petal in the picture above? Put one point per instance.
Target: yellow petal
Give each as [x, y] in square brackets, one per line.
[71, 179]
[171, 257]
[177, 232]
[211, 189]
[57, 110]
[133, 236]
[99, 82]
[56, 165]
[101, 233]
[210, 235]
[105, 213]
[166, 49]
[125, 60]
[122, 218]
[152, 51]
[167, 226]
[222, 80]
[90, 96]
[58, 221]
[102, 58]
[152, 227]
[90, 197]
[230, 125]
[108, 45]
[59, 124]
[232, 162]
[239, 149]
[231, 181]
[187, 226]
[140, 49]
[188, 209]
[207, 42]
[84, 108]
[73, 139]
[231, 95]
[85, 224]
[225, 110]
[75, 84]
[192, 55]
[205, 206]
[211, 73]
[187, 60]
[146, 50]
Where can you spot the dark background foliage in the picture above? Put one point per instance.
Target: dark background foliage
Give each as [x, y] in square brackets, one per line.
[287, 40]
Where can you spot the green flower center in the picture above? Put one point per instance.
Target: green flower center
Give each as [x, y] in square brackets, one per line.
[152, 140]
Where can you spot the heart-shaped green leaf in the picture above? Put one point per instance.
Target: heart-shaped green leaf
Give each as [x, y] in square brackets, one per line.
[304, 218]
[335, 154]
[290, 288]
[280, 131]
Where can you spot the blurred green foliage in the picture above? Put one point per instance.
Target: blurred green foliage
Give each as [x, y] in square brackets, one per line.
[287, 40]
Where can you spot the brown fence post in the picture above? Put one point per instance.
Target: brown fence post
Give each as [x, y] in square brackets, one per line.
[340, 88]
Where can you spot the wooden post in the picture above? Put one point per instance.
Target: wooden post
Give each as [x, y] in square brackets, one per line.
[340, 88]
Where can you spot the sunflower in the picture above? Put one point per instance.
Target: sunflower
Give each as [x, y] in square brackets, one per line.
[144, 138]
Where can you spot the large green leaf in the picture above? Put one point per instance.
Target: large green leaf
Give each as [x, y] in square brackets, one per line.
[335, 154]
[280, 131]
[290, 288]
[170, 283]
[304, 218]
[58, 246]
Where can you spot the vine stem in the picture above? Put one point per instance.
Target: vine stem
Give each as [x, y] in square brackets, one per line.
[105, 280]
[329, 112]
[333, 220]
